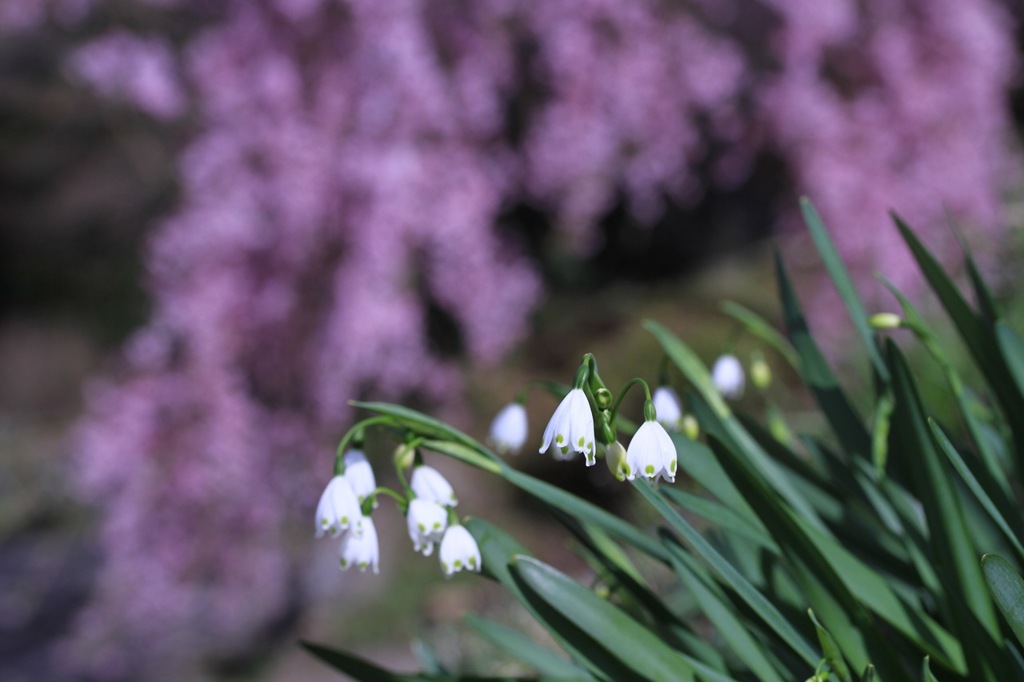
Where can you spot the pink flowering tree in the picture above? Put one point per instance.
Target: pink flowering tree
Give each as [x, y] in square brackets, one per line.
[350, 163]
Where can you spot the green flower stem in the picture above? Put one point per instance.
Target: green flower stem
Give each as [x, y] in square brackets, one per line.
[625, 390]
[358, 429]
[582, 374]
[367, 507]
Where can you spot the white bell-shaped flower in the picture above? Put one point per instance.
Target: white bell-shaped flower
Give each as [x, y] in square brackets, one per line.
[426, 521]
[509, 429]
[669, 409]
[363, 550]
[571, 428]
[338, 509]
[458, 551]
[429, 484]
[652, 453]
[359, 474]
[727, 376]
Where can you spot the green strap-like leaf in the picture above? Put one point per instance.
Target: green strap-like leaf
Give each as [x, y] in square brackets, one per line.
[838, 410]
[637, 649]
[515, 643]
[759, 327]
[353, 666]
[976, 487]
[966, 402]
[719, 611]
[831, 651]
[1007, 589]
[695, 371]
[977, 335]
[731, 577]
[844, 284]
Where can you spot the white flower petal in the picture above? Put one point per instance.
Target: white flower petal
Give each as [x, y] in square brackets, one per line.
[338, 509]
[359, 474]
[426, 521]
[652, 453]
[509, 429]
[362, 551]
[571, 428]
[428, 483]
[459, 551]
[667, 405]
[727, 376]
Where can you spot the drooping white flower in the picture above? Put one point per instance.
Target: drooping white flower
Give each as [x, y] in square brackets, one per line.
[727, 376]
[571, 428]
[429, 484]
[668, 407]
[363, 550]
[652, 453]
[509, 429]
[338, 509]
[426, 521]
[458, 551]
[359, 474]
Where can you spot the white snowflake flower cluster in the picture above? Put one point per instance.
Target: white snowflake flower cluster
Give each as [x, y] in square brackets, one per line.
[340, 512]
[429, 517]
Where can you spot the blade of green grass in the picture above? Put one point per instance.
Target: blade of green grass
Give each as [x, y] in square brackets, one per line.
[718, 610]
[621, 636]
[512, 642]
[1007, 589]
[844, 285]
[977, 335]
[967, 603]
[831, 650]
[976, 487]
[729, 576]
[838, 410]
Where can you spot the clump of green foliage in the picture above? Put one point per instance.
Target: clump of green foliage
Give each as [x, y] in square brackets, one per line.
[880, 550]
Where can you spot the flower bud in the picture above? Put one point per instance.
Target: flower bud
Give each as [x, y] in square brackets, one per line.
[885, 321]
[615, 457]
[760, 372]
[691, 429]
[404, 457]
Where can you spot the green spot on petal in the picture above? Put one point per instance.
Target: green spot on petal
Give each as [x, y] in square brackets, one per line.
[458, 563]
[344, 520]
[472, 562]
[649, 469]
[423, 529]
[564, 449]
[582, 441]
[437, 526]
[559, 439]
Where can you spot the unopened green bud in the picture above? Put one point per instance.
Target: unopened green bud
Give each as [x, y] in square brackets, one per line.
[691, 429]
[885, 321]
[615, 456]
[404, 456]
[603, 398]
[760, 372]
